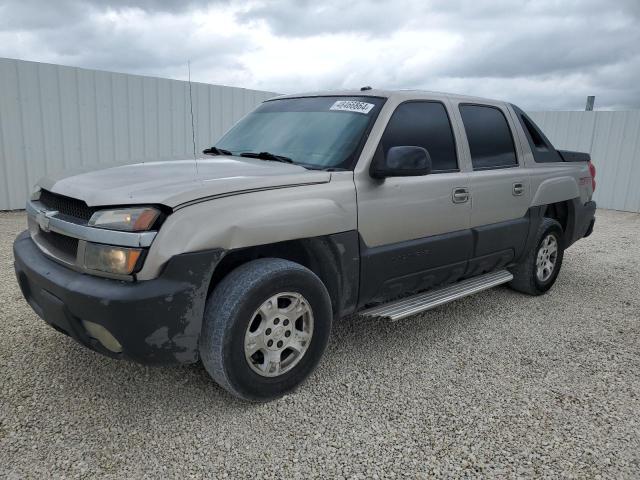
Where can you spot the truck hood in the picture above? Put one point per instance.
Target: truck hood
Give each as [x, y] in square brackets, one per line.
[179, 182]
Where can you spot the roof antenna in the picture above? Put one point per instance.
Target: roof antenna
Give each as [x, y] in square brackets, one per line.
[193, 129]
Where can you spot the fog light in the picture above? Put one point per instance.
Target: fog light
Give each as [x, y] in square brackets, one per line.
[107, 258]
[101, 334]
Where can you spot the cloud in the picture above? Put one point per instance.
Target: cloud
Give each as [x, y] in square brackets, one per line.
[541, 54]
[127, 39]
[306, 18]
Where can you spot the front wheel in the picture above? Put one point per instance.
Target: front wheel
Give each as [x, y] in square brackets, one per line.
[265, 328]
[537, 273]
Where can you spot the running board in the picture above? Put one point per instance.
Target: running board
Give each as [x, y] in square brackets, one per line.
[420, 302]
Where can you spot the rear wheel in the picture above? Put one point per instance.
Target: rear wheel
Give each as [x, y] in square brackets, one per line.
[539, 270]
[266, 326]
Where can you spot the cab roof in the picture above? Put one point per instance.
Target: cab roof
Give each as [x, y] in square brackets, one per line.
[399, 94]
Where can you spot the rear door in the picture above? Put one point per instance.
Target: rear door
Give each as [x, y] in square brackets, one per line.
[499, 186]
[414, 230]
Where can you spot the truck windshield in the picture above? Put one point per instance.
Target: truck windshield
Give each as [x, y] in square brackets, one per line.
[316, 132]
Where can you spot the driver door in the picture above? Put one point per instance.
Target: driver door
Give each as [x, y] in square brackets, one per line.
[414, 231]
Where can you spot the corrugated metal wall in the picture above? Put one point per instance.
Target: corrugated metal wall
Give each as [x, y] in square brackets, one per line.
[54, 118]
[613, 139]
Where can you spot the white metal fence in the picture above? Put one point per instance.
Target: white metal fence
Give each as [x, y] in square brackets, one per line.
[54, 118]
[613, 140]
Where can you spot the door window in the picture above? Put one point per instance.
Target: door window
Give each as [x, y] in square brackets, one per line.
[423, 124]
[489, 136]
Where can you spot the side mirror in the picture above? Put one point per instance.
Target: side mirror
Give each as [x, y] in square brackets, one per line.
[401, 161]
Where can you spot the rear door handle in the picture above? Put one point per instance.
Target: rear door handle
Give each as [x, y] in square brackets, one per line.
[460, 195]
[518, 189]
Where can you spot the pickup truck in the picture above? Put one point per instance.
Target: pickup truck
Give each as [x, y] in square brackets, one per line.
[312, 207]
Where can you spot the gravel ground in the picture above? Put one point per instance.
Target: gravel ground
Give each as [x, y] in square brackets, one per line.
[496, 385]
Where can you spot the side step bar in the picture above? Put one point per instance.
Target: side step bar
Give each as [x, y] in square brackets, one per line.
[420, 302]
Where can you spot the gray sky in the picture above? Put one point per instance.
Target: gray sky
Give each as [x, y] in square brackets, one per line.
[546, 54]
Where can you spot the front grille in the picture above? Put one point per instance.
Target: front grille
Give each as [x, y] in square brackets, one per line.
[57, 243]
[66, 206]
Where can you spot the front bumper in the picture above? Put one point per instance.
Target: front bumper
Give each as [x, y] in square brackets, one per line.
[155, 321]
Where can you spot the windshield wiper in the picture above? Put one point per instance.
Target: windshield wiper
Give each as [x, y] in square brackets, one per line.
[260, 155]
[267, 156]
[216, 151]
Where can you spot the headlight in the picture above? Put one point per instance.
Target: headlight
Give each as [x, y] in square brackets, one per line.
[126, 219]
[107, 258]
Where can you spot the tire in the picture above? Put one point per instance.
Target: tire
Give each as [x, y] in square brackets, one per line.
[260, 302]
[527, 276]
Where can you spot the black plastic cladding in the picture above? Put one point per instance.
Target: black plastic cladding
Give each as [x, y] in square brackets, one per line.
[156, 321]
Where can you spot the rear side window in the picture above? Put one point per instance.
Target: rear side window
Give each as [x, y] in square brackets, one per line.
[489, 136]
[423, 124]
[543, 151]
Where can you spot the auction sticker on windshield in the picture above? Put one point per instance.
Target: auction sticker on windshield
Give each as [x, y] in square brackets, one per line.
[352, 106]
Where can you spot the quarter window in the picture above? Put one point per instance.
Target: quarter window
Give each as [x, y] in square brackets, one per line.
[423, 124]
[489, 137]
[543, 151]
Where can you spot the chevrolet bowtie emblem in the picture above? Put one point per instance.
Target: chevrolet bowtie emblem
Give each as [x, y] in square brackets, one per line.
[43, 219]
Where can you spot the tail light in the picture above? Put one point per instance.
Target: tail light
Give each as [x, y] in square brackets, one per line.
[592, 171]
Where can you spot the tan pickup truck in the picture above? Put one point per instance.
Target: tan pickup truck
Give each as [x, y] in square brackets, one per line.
[310, 208]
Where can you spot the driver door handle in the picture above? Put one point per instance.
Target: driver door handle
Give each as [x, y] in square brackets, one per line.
[460, 195]
[518, 189]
